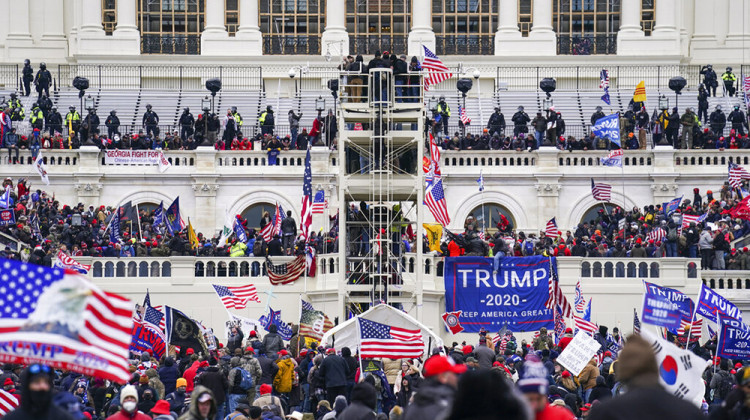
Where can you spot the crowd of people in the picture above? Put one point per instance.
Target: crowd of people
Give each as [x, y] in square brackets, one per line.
[45, 226]
[689, 130]
[254, 377]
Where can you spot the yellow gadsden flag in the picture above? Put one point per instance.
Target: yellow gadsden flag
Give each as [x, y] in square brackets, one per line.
[640, 92]
[434, 234]
[191, 236]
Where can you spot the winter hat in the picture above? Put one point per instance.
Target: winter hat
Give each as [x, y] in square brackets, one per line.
[436, 365]
[181, 382]
[565, 374]
[8, 382]
[161, 407]
[534, 377]
[468, 349]
[265, 389]
[189, 351]
[128, 391]
[253, 334]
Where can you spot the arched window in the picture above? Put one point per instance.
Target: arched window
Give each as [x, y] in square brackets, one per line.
[488, 216]
[593, 213]
[254, 213]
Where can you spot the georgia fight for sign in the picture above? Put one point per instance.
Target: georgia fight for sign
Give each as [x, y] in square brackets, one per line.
[514, 297]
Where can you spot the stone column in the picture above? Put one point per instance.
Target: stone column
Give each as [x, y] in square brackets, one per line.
[542, 32]
[703, 21]
[508, 34]
[421, 28]
[666, 18]
[215, 18]
[249, 29]
[630, 18]
[91, 17]
[738, 32]
[335, 38]
[126, 33]
[19, 29]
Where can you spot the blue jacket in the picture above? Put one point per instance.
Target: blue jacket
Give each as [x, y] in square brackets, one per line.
[169, 375]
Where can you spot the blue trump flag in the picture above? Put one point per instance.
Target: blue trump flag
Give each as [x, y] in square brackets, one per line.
[7, 217]
[114, 229]
[239, 231]
[515, 296]
[274, 318]
[672, 206]
[665, 307]
[734, 340]
[173, 217]
[159, 214]
[711, 305]
[608, 128]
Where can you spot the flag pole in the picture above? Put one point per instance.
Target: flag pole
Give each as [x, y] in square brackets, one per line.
[138, 216]
[718, 337]
[299, 327]
[359, 344]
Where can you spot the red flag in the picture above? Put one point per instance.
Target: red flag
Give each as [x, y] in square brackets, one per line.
[741, 210]
[451, 321]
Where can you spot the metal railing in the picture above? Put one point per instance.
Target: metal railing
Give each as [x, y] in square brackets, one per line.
[170, 44]
[369, 44]
[465, 44]
[588, 77]
[291, 44]
[161, 77]
[10, 77]
[586, 44]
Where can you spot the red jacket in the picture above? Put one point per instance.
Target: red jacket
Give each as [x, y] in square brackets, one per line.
[189, 375]
[124, 415]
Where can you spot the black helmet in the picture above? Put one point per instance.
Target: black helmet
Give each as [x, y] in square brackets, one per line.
[442, 97]
[710, 66]
[72, 108]
[35, 105]
[520, 108]
[234, 109]
[26, 62]
[43, 65]
[729, 69]
[269, 108]
[186, 109]
[13, 94]
[54, 109]
[598, 109]
[112, 112]
[148, 106]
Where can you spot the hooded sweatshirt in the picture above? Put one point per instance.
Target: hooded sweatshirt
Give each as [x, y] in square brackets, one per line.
[36, 405]
[194, 412]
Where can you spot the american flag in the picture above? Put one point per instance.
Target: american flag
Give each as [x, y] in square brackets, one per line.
[8, 402]
[381, 340]
[436, 71]
[551, 229]
[687, 219]
[434, 198]
[579, 301]
[587, 326]
[696, 332]
[465, 120]
[274, 226]
[559, 324]
[614, 158]
[65, 316]
[433, 172]
[320, 202]
[737, 174]
[556, 296]
[154, 317]
[601, 192]
[286, 273]
[306, 219]
[657, 235]
[636, 322]
[236, 297]
[65, 261]
[503, 341]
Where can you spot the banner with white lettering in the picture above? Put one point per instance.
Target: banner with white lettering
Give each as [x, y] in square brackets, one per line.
[578, 353]
[146, 337]
[514, 296]
[734, 340]
[137, 157]
[666, 307]
[7, 217]
[711, 303]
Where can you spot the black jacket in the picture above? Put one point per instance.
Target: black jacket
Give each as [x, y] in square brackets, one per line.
[432, 400]
[645, 404]
[364, 400]
[273, 342]
[215, 380]
[334, 371]
[268, 368]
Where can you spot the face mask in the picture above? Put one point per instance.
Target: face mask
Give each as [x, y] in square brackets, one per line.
[129, 406]
[40, 400]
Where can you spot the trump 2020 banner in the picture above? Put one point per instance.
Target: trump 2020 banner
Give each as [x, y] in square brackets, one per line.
[515, 296]
[666, 307]
[734, 340]
[711, 305]
[146, 337]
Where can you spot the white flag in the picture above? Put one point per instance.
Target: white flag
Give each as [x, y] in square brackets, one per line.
[41, 168]
[680, 371]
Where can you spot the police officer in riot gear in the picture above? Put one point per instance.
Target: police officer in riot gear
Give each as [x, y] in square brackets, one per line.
[113, 124]
[151, 122]
[187, 121]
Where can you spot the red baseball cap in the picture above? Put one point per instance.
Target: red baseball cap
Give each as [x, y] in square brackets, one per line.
[436, 365]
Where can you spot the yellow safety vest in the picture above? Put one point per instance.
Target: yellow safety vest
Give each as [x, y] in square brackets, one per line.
[447, 109]
[262, 118]
[238, 118]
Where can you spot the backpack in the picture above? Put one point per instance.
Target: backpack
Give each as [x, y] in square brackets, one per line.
[528, 248]
[245, 379]
[259, 248]
[672, 235]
